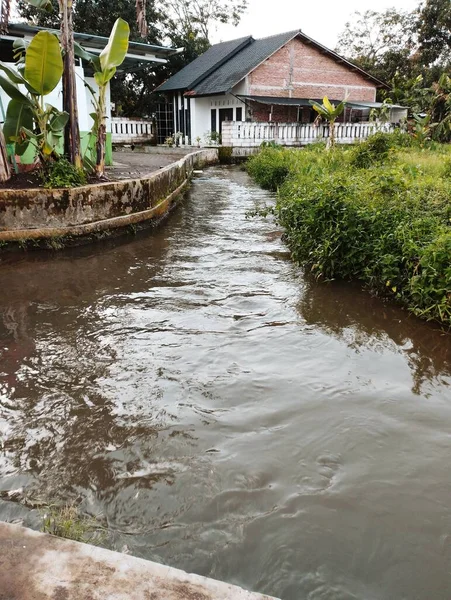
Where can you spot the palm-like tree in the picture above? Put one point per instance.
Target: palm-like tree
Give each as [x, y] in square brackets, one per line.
[330, 112]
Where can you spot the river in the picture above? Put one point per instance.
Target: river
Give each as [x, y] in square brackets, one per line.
[226, 415]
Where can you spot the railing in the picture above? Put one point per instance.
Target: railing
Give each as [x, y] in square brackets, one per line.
[128, 131]
[296, 134]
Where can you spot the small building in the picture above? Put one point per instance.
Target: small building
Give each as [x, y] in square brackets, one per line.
[139, 55]
[267, 80]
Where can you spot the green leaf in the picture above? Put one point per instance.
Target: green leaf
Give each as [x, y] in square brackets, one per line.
[103, 77]
[59, 121]
[80, 52]
[13, 75]
[18, 115]
[43, 63]
[329, 106]
[13, 91]
[114, 52]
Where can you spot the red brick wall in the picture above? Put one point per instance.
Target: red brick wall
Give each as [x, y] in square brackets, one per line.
[299, 70]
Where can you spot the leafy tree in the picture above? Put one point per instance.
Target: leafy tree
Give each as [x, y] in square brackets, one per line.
[330, 112]
[382, 43]
[192, 19]
[434, 31]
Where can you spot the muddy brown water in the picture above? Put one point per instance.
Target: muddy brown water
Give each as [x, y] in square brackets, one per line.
[225, 414]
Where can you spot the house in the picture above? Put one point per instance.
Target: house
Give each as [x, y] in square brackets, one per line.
[139, 55]
[265, 80]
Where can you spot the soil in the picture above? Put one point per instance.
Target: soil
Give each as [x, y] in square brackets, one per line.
[22, 181]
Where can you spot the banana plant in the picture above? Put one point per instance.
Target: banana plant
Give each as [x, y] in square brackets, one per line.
[105, 65]
[29, 120]
[330, 112]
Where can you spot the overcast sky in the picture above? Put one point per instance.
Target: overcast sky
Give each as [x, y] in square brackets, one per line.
[322, 20]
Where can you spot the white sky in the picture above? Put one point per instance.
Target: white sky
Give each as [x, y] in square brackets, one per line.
[323, 20]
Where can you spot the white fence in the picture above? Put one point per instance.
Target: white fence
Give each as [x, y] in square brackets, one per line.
[128, 131]
[251, 135]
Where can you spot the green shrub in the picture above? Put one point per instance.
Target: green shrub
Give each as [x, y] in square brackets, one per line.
[387, 226]
[63, 174]
[270, 167]
[225, 155]
[374, 150]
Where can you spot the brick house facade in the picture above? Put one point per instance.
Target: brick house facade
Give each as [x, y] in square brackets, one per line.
[271, 79]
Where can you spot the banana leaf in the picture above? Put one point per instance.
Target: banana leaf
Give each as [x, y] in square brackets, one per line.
[114, 52]
[43, 63]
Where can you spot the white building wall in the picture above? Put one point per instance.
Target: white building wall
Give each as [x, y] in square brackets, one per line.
[201, 113]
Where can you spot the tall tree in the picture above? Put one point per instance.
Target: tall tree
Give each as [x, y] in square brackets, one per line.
[196, 18]
[434, 31]
[382, 43]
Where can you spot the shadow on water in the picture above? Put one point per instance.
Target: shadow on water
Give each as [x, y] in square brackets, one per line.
[225, 414]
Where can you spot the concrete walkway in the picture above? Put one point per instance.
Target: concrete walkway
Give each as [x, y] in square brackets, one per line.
[36, 566]
[128, 164]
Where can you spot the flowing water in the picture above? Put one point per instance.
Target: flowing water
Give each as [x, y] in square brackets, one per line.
[226, 415]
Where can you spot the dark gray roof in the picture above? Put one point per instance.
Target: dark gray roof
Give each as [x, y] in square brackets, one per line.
[237, 67]
[200, 68]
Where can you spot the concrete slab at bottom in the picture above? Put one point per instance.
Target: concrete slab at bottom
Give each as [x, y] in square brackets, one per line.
[36, 566]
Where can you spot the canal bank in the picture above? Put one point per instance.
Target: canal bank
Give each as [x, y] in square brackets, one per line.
[36, 566]
[42, 215]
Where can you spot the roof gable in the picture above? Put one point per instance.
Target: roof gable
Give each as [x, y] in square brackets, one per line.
[235, 69]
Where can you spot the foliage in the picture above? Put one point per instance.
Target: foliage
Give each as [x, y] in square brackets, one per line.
[270, 168]
[29, 120]
[133, 91]
[63, 174]
[434, 31]
[225, 155]
[195, 18]
[66, 522]
[387, 225]
[373, 150]
[330, 112]
[105, 65]
[380, 42]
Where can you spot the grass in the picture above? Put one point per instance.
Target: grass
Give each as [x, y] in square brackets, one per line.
[65, 521]
[379, 212]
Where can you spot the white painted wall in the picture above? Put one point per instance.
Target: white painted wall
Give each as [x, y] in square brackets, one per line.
[201, 113]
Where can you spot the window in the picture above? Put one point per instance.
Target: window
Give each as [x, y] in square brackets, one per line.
[239, 113]
[213, 120]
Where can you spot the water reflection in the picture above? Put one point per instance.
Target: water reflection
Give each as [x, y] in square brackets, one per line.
[361, 320]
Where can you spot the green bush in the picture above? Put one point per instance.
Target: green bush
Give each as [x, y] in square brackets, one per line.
[374, 150]
[270, 167]
[388, 226]
[63, 174]
[225, 155]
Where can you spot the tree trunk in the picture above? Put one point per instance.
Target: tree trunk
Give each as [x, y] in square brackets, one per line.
[101, 134]
[5, 172]
[72, 132]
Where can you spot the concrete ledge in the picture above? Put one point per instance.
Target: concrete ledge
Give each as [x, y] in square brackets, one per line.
[36, 566]
[41, 214]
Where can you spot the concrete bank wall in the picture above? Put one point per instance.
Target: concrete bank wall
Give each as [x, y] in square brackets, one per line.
[41, 214]
[36, 566]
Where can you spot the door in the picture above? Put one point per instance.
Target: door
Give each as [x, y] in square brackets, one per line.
[225, 114]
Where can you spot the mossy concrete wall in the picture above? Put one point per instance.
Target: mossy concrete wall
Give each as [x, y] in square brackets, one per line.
[40, 213]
